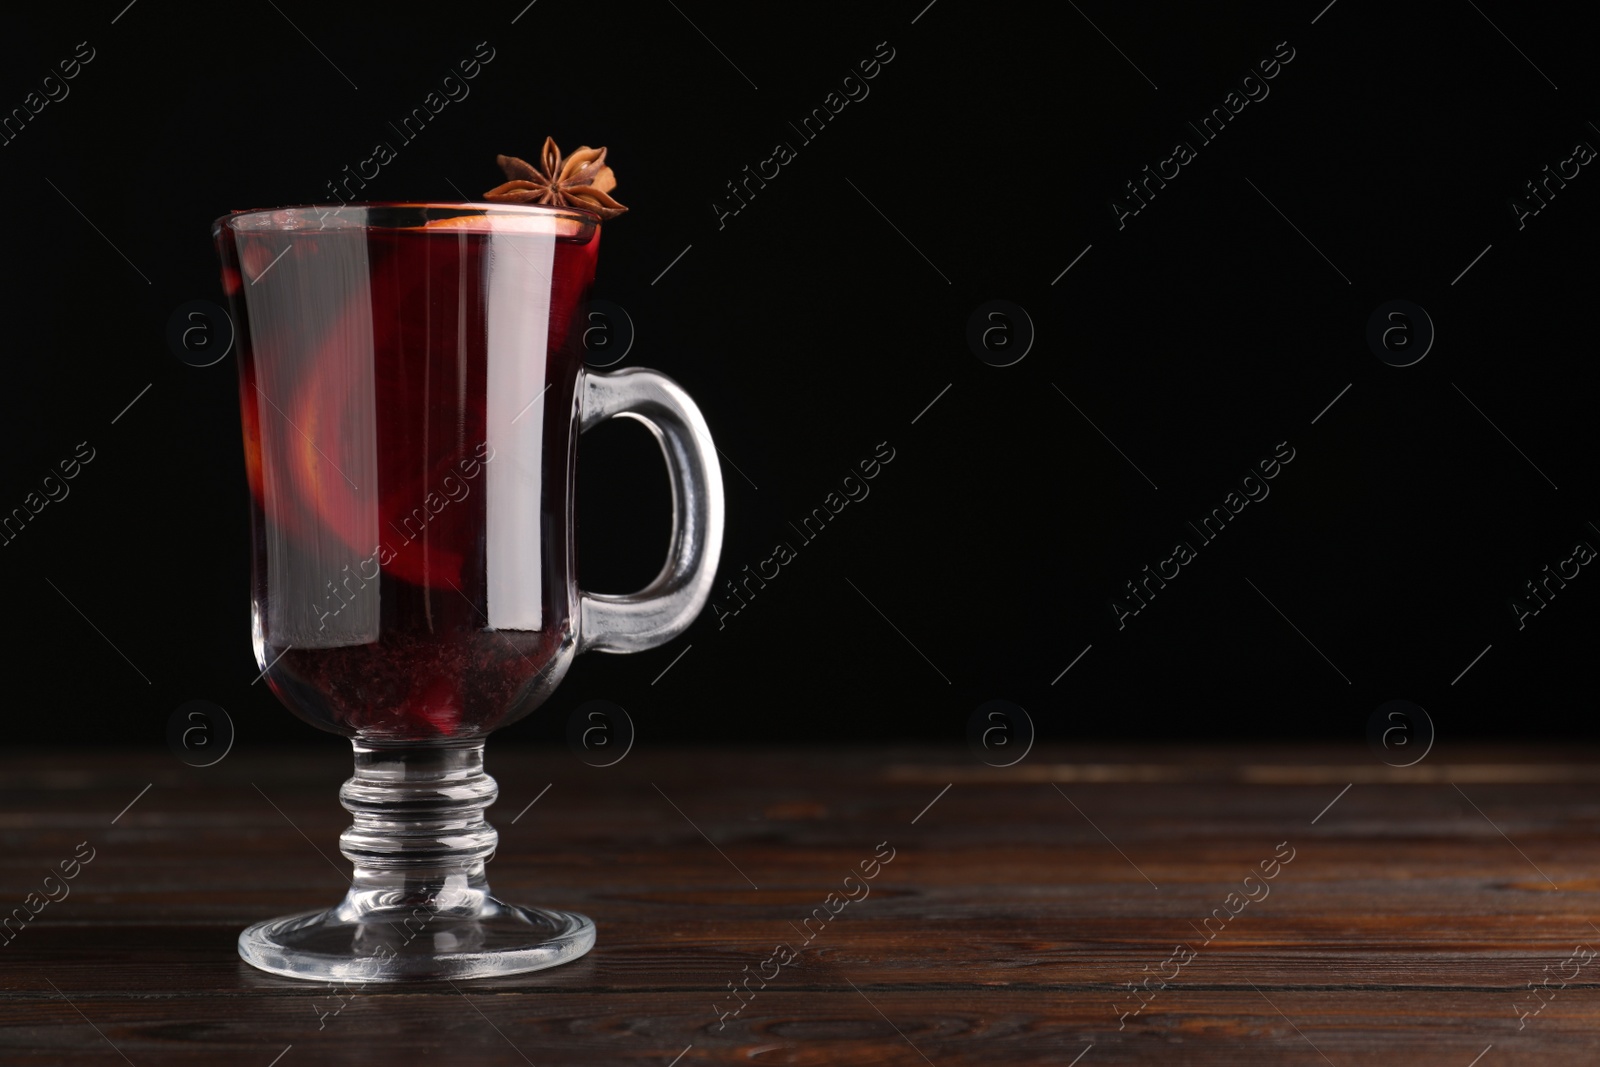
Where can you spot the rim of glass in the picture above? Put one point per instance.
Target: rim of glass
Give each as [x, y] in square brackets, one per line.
[408, 215]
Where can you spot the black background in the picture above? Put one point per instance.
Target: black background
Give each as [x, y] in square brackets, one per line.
[814, 325]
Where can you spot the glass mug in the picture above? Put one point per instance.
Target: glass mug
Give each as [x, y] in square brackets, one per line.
[412, 389]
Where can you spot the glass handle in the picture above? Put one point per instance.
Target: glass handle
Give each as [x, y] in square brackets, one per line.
[663, 609]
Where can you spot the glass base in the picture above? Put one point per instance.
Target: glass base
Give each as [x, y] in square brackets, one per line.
[403, 944]
[419, 904]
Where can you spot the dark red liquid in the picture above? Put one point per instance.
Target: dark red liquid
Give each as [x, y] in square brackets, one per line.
[365, 384]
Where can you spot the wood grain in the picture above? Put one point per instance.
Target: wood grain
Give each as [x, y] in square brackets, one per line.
[1405, 929]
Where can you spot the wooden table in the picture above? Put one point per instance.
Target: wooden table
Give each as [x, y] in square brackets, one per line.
[1018, 905]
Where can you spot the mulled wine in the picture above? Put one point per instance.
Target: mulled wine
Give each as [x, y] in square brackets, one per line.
[401, 385]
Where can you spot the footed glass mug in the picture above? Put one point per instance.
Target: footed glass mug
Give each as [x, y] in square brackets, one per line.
[411, 385]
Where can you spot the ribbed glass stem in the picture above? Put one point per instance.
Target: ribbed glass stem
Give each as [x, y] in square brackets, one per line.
[419, 836]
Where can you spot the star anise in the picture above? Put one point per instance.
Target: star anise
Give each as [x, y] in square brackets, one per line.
[581, 180]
